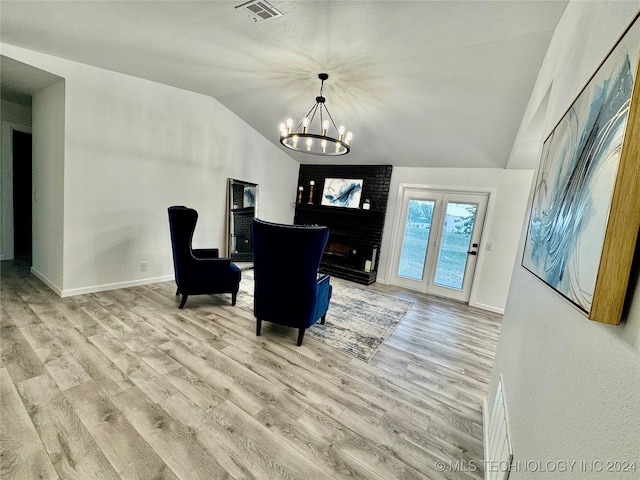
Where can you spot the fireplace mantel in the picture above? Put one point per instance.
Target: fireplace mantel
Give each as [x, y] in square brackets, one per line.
[337, 210]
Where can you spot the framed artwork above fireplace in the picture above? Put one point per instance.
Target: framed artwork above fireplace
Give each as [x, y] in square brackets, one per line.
[342, 192]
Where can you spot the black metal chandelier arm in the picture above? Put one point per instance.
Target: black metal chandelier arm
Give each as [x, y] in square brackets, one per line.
[307, 116]
[331, 118]
[313, 115]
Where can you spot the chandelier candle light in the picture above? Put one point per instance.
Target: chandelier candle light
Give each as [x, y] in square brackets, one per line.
[302, 140]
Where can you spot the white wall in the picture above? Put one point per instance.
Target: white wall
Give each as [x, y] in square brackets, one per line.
[572, 385]
[134, 147]
[14, 117]
[15, 112]
[508, 197]
[48, 184]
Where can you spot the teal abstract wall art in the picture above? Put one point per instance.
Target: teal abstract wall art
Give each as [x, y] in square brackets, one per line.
[342, 192]
[580, 171]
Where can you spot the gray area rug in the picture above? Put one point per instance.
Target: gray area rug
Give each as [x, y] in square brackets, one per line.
[358, 321]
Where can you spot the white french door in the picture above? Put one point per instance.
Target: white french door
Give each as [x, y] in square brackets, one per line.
[438, 239]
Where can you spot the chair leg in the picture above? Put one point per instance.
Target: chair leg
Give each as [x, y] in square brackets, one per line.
[300, 336]
[323, 319]
[178, 292]
[258, 326]
[184, 300]
[233, 298]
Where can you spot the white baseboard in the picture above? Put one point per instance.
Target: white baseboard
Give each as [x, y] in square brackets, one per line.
[114, 286]
[46, 281]
[489, 308]
[98, 288]
[6, 257]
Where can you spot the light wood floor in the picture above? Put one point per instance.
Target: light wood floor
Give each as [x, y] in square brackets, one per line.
[122, 384]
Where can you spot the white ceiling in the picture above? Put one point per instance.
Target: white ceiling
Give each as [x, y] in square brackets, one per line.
[420, 83]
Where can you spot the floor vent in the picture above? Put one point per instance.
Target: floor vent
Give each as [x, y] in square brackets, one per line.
[498, 452]
[259, 10]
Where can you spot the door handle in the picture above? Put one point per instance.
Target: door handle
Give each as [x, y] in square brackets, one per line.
[472, 252]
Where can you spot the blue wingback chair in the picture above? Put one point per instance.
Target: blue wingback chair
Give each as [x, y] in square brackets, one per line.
[198, 271]
[289, 292]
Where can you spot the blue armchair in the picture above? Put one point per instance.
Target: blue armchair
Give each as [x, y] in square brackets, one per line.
[289, 292]
[198, 271]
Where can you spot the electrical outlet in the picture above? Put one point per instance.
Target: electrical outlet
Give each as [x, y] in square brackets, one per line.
[488, 247]
[143, 266]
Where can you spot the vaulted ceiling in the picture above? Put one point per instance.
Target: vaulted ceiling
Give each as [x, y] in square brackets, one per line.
[420, 83]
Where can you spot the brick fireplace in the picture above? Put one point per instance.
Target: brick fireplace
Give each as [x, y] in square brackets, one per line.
[355, 234]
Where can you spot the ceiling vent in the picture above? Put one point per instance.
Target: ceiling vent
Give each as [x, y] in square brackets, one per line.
[259, 10]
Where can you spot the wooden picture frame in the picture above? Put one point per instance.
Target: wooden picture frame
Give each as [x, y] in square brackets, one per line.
[585, 213]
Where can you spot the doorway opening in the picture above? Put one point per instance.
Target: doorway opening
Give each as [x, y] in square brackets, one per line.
[22, 188]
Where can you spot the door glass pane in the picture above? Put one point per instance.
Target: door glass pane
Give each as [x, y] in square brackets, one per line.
[454, 244]
[416, 238]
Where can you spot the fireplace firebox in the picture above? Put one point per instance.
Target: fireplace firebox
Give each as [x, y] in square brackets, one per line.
[337, 245]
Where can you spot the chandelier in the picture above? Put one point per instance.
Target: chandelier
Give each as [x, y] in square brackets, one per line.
[302, 140]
